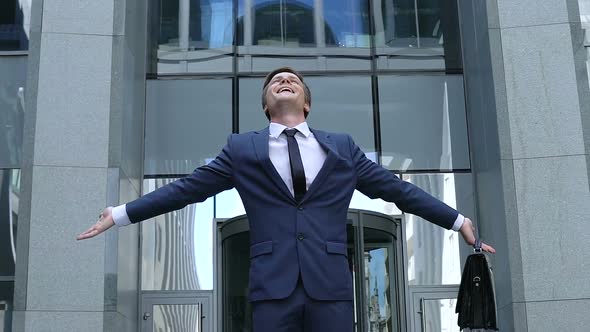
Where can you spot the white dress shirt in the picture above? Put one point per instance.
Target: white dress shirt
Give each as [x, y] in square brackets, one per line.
[312, 156]
[312, 153]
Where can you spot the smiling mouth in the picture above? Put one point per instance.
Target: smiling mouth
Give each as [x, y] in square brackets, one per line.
[281, 90]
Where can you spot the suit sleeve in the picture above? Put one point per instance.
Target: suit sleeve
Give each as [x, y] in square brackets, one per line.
[203, 183]
[377, 182]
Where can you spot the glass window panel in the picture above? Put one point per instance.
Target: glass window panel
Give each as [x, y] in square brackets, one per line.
[346, 98]
[187, 124]
[423, 123]
[6, 305]
[306, 34]
[177, 317]
[379, 283]
[9, 203]
[177, 247]
[584, 6]
[237, 311]
[15, 18]
[13, 70]
[412, 34]
[432, 251]
[440, 316]
[250, 107]
[194, 36]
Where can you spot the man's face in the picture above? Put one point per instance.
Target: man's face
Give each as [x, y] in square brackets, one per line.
[286, 87]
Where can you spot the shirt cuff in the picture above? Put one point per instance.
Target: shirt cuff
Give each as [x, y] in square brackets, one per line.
[120, 216]
[458, 222]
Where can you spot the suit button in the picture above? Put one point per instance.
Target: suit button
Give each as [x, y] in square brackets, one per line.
[300, 208]
[300, 236]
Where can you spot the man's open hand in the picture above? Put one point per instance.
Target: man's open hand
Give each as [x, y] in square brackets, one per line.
[105, 221]
[468, 232]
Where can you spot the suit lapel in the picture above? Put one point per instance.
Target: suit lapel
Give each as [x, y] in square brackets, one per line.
[260, 140]
[332, 157]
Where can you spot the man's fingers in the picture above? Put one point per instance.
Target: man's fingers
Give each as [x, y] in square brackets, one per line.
[88, 234]
[488, 248]
[91, 232]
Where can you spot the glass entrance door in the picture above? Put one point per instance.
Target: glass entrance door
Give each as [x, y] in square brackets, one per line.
[374, 256]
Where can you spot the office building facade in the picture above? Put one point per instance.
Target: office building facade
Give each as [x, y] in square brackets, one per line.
[484, 104]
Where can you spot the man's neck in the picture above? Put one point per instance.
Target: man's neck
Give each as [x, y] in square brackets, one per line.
[289, 120]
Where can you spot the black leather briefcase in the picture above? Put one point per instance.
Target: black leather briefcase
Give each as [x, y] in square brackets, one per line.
[476, 301]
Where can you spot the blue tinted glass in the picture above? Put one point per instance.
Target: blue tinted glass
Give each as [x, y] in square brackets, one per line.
[13, 71]
[14, 25]
[9, 203]
[423, 123]
[346, 98]
[187, 123]
[412, 34]
[195, 36]
[314, 34]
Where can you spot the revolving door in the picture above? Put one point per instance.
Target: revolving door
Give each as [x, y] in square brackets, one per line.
[374, 255]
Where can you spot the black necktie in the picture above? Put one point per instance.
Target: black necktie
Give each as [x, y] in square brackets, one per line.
[297, 171]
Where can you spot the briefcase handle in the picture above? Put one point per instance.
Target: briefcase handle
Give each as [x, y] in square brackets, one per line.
[477, 245]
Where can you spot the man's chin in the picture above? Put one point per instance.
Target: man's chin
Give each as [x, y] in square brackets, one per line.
[285, 95]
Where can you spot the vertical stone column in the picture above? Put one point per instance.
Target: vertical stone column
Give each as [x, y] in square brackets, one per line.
[531, 159]
[82, 152]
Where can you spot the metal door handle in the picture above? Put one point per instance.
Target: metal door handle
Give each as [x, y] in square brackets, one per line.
[422, 313]
[146, 315]
[200, 327]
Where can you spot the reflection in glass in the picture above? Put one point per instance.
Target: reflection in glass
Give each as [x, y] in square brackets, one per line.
[13, 70]
[194, 36]
[439, 315]
[379, 280]
[187, 123]
[432, 251]
[9, 203]
[177, 317]
[423, 123]
[412, 34]
[378, 277]
[346, 98]
[584, 6]
[177, 247]
[6, 305]
[322, 35]
[236, 264]
[15, 18]
[251, 115]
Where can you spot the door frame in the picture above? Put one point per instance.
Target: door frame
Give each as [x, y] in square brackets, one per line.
[150, 298]
[359, 219]
[418, 294]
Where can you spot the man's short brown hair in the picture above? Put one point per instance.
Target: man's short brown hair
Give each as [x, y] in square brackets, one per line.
[284, 70]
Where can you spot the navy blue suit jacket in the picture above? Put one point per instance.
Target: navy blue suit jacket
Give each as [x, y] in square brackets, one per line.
[286, 237]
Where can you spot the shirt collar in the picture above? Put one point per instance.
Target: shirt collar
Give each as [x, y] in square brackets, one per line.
[276, 129]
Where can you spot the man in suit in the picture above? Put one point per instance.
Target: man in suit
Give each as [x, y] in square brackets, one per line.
[296, 184]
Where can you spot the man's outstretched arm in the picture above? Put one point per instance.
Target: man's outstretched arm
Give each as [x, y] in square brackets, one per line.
[377, 182]
[204, 182]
